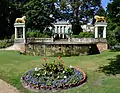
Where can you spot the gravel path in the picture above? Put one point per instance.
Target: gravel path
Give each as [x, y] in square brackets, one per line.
[7, 88]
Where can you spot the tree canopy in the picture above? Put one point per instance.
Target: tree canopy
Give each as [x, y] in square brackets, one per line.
[41, 13]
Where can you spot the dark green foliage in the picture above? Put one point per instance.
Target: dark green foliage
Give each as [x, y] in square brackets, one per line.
[48, 32]
[113, 18]
[38, 13]
[36, 34]
[101, 12]
[111, 38]
[117, 33]
[6, 43]
[116, 47]
[113, 11]
[84, 35]
[76, 28]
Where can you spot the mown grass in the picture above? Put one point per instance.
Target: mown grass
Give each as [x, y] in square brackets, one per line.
[99, 69]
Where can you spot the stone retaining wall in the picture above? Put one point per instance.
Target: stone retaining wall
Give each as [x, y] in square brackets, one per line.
[55, 50]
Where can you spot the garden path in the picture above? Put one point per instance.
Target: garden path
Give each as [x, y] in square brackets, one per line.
[7, 88]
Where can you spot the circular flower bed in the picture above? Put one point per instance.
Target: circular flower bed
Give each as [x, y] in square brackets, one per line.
[52, 77]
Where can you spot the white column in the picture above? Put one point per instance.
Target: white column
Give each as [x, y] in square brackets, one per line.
[104, 32]
[59, 31]
[55, 28]
[15, 33]
[66, 30]
[63, 32]
[96, 32]
[24, 34]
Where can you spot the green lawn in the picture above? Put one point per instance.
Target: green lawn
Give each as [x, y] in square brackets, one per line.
[103, 70]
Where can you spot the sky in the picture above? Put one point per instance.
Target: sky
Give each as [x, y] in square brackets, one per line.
[104, 3]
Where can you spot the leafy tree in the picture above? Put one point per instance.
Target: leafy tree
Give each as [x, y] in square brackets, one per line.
[83, 9]
[113, 18]
[111, 37]
[113, 11]
[9, 11]
[39, 13]
[78, 11]
[101, 12]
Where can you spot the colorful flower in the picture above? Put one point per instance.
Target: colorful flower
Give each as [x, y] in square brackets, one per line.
[37, 69]
[45, 59]
[38, 74]
[63, 71]
[70, 66]
[59, 57]
[65, 76]
[58, 76]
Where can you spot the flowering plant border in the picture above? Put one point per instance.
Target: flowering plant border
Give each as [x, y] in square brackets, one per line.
[46, 88]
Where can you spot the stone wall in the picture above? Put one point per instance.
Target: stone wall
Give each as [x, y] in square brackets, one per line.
[55, 50]
[74, 48]
[102, 46]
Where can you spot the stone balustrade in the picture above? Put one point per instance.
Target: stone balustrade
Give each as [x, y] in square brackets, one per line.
[71, 41]
[39, 40]
[88, 40]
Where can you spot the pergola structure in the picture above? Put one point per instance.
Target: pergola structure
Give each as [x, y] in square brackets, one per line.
[62, 29]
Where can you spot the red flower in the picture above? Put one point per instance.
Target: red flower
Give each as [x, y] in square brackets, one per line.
[45, 59]
[59, 57]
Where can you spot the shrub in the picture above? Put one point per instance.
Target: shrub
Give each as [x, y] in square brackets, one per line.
[36, 34]
[3, 43]
[84, 35]
[13, 37]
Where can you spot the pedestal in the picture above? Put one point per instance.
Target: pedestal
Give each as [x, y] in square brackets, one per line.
[17, 27]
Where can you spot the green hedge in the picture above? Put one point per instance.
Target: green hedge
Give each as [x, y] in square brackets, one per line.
[84, 35]
[36, 34]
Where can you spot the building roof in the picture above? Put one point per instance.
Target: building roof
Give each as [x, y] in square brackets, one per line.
[62, 23]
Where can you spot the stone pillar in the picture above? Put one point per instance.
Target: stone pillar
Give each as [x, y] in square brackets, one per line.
[19, 27]
[96, 32]
[24, 34]
[15, 33]
[69, 39]
[104, 32]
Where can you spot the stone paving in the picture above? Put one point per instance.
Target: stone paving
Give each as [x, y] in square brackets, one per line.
[7, 88]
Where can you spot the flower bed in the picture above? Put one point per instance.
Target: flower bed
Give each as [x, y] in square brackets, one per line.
[52, 77]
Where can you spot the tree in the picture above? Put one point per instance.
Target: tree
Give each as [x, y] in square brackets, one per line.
[113, 18]
[78, 11]
[113, 11]
[111, 36]
[9, 11]
[101, 12]
[83, 9]
[39, 13]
